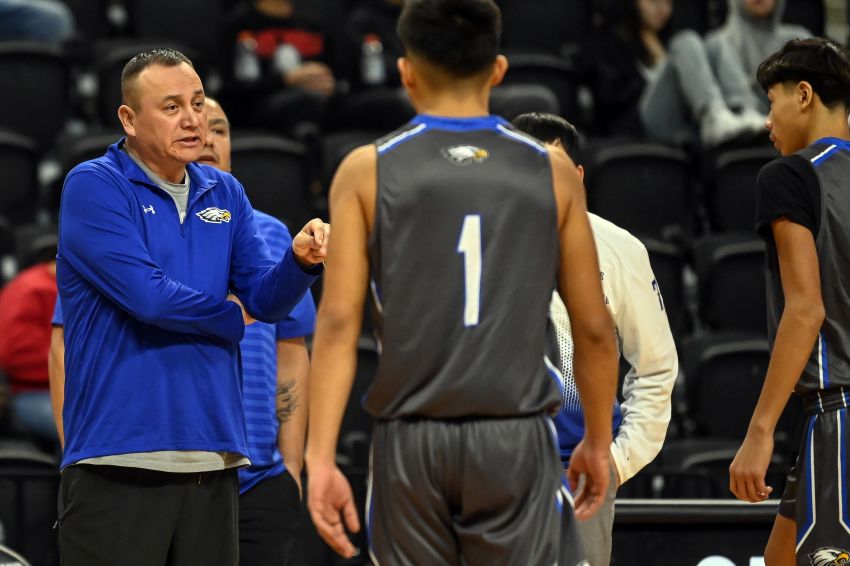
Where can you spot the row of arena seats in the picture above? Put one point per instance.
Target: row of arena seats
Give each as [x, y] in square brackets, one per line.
[654, 191]
[722, 290]
[544, 25]
[79, 83]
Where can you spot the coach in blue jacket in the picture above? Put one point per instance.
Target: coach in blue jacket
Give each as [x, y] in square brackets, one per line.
[157, 255]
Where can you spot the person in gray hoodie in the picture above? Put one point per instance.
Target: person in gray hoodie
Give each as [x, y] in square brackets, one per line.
[706, 90]
[753, 31]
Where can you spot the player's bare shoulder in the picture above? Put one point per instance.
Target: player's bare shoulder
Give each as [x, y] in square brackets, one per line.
[566, 182]
[357, 178]
[358, 166]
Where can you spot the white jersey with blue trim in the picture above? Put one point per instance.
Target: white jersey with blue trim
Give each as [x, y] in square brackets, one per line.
[643, 334]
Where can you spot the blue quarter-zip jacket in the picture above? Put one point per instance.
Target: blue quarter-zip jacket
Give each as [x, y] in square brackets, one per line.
[152, 356]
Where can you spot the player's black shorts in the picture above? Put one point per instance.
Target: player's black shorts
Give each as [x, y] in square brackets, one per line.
[478, 491]
[816, 495]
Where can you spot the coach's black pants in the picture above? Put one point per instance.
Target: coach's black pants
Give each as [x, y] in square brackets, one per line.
[111, 516]
[269, 516]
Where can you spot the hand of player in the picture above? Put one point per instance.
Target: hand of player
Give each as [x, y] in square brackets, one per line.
[748, 469]
[310, 245]
[594, 464]
[246, 318]
[331, 505]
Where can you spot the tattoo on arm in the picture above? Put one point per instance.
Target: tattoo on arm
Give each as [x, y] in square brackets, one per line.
[287, 400]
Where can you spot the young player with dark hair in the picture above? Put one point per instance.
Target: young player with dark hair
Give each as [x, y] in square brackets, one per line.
[461, 226]
[802, 211]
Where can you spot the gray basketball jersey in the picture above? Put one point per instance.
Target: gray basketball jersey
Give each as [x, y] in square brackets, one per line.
[829, 363]
[464, 256]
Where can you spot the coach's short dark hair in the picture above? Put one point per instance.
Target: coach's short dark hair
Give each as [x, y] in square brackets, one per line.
[821, 62]
[459, 36]
[550, 128]
[164, 56]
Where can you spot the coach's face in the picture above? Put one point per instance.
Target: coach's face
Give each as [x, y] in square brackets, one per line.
[167, 119]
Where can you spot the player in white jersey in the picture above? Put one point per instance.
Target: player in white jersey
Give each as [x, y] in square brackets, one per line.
[634, 300]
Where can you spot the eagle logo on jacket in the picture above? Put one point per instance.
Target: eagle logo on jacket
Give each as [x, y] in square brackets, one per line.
[214, 215]
[830, 557]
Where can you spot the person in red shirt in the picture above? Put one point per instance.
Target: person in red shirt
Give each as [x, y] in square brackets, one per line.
[26, 309]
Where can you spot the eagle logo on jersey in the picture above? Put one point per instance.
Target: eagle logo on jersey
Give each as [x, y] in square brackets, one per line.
[214, 215]
[830, 557]
[464, 154]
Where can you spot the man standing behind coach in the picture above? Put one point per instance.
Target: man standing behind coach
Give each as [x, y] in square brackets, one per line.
[150, 246]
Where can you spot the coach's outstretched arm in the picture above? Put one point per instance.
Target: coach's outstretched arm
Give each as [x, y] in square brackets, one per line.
[269, 290]
[595, 355]
[352, 203]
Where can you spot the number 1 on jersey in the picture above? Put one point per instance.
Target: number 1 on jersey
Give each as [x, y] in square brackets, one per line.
[470, 246]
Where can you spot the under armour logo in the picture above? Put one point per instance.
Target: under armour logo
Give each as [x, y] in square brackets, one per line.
[148, 208]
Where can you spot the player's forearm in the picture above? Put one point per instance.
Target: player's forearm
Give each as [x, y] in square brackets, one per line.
[276, 291]
[639, 439]
[646, 413]
[292, 402]
[798, 329]
[595, 363]
[331, 376]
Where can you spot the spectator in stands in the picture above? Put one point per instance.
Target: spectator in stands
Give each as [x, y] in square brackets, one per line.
[275, 364]
[278, 67]
[681, 93]
[49, 21]
[752, 32]
[712, 84]
[624, 55]
[26, 307]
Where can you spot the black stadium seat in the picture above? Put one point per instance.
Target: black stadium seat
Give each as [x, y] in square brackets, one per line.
[34, 91]
[553, 72]
[731, 280]
[547, 26]
[19, 187]
[509, 101]
[690, 14]
[643, 188]
[191, 22]
[724, 373]
[275, 172]
[29, 485]
[382, 110]
[811, 14]
[667, 262]
[731, 196]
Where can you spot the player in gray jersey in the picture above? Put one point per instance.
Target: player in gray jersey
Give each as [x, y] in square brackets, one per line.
[461, 227]
[802, 210]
